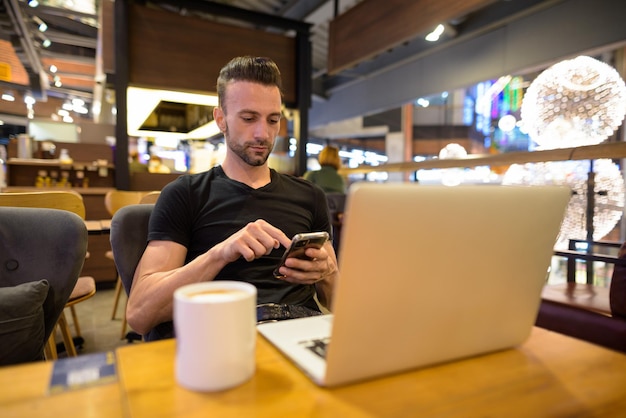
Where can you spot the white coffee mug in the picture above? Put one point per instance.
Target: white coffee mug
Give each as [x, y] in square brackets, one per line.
[215, 324]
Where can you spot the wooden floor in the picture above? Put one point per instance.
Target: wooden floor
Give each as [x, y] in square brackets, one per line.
[99, 331]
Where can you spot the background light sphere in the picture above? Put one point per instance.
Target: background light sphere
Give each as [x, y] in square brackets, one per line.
[452, 176]
[452, 151]
[507, 123]
[608, 194]
[573, 103]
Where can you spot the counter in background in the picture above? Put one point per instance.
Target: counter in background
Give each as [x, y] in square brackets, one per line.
[31, 172]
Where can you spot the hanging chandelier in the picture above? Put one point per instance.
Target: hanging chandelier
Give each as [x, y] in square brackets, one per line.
[576, 102]
[608, 193]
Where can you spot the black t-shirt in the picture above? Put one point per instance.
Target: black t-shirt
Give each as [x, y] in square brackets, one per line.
[201, 210]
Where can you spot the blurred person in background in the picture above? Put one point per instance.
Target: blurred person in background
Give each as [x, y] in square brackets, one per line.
[327, 176]
[155, 165]
[136, 166]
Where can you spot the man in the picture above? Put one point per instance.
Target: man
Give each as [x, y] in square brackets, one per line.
[231, 221]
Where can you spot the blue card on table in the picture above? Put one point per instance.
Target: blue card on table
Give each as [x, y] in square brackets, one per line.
[83, 371]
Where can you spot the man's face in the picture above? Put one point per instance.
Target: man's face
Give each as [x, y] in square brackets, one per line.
[251, 121]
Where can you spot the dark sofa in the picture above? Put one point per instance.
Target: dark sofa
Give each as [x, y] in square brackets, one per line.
[592, 313]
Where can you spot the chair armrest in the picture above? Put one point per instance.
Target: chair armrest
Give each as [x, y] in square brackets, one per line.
[580, 255]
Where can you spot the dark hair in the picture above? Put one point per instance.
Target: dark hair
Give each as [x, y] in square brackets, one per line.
[254, 69]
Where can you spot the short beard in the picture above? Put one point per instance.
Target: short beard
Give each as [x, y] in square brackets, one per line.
[254, 160]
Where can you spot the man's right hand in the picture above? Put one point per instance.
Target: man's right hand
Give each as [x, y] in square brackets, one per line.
[255, 240]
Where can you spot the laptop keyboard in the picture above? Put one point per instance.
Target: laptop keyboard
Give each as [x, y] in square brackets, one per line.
[317, 345]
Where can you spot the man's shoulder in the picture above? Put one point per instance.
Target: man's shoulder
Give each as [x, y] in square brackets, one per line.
[192, 179]
[295, 181]
[299, 185]
[188, 185]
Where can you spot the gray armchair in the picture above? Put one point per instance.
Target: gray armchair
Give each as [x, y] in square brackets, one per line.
[336, 207]
[42, 252]
[129, 233]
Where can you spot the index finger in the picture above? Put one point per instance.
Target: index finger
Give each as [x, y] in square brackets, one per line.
[275, 233]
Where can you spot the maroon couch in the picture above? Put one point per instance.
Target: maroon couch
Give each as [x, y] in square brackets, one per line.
[592, 313]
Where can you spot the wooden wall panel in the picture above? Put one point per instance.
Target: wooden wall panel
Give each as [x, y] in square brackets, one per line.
[12, 69]
[74, 74]
[105, 56]
[175, 52]
[374, 26]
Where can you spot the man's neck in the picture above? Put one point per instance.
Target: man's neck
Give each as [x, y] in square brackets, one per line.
[254, 176]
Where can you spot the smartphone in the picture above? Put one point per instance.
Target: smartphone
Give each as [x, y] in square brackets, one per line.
[299, 243]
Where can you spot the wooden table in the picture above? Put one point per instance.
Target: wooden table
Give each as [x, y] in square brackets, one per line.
[550, 375]
[98, 265]
[98, 227]
[25, 394]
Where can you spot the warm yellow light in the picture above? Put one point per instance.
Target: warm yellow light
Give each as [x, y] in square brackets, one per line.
[141, 102]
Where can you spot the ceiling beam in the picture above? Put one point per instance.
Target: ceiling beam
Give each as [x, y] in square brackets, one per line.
[224, 10]
[37, 75]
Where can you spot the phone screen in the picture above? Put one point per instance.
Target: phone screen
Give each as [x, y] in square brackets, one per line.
[299, 244]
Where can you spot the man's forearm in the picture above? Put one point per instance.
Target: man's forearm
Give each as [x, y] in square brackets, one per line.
[324, 289]
[151, 298]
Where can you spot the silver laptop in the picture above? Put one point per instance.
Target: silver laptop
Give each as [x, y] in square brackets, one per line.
[429, 274]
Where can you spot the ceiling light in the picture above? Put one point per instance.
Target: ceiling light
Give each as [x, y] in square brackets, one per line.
[435, 34]
[81, 110]
[40, 24]
[53, 68]
[141, 102]
[29, 100]
[423, 102]
[8, 97]
[76, 105]
[46, 43]
[33, 3]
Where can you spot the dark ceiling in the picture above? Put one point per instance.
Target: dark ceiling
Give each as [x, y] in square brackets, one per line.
[74, 35]
[73, 41]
